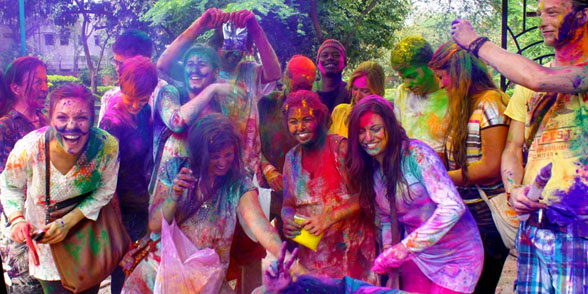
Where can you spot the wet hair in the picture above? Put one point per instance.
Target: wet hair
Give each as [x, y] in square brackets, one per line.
[205, 51]
[133, 42]
[208, 135]
[15, 73]
[468, 76]
[306, 98]
[361, 166]
[72, 91]
[411, 51]
[578, 5]
[374, 73]
[138, 77]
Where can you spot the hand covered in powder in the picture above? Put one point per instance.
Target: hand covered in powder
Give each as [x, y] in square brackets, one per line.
[463, 33]
[521, 204]
[243, 18]
[275, 180]
[391, 258]
[291, 228]
[318, 224]
[56, 231]
[213, 18]
[183, 181]
[277, 275]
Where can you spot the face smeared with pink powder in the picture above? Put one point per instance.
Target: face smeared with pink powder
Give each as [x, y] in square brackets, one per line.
[359, 89]
[302, 124]
[372, 134]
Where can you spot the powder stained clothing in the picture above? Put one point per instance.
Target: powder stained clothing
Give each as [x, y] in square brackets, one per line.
[14, 126]
[347, 248]
[340, 120]
[107, 99]
[335, 97]
[135, 135]
[438, 228]
[95, 170]
[423, 117]
[208, 224]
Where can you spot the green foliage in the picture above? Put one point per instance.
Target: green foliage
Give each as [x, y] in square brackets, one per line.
[55, 81]
[103, 89]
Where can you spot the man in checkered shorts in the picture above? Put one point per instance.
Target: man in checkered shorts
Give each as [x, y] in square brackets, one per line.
[553, 241]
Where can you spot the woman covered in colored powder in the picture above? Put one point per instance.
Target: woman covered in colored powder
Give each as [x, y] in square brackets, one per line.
[368, 78]
[84, 159]
[128, 118]
[203, 193]
[316, 189]
[477, 129]
[425, 227]
[23, 100]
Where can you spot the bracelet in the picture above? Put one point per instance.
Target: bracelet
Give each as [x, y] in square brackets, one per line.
[15, 218]
[14, 222]
[476, 45]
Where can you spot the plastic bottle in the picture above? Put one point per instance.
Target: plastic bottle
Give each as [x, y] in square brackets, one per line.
[537, 187]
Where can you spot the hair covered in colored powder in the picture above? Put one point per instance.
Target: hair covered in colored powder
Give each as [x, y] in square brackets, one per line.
[138, 77]
[209, 135]
[15, 73]
[300, 73]
[307, 99]
[468, 76]
[76, 91]
[376, 78]
[411, 51]
[133, 42]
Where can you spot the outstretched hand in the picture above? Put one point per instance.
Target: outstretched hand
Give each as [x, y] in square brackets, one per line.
[277, 275]
[463, 33]
[213, 18]
[243, 18]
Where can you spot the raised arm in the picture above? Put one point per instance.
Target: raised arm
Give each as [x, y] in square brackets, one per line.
[269, 60]
[211, 19]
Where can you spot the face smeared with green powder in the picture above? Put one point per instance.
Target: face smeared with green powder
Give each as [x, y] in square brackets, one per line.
[419, 79]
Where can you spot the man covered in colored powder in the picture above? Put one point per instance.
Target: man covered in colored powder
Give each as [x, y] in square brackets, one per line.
[331, 60]
[128, 118]
[419, 103]
[255, 81]
[553, 242]
[275, 140]
[129, 44]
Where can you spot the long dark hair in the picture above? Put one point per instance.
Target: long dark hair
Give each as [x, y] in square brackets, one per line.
[208, 135]
[361, 166]
[469, 76]
[15, 73]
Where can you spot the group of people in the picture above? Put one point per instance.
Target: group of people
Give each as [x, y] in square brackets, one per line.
[391, 187]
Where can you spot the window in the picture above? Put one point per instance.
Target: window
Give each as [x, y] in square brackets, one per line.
[64, 39]
[49, 41]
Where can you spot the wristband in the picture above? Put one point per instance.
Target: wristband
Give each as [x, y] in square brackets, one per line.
[476, 45]
[16, 221]
[15, 218]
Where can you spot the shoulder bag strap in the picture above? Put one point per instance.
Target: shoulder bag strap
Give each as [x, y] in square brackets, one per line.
[47, 173]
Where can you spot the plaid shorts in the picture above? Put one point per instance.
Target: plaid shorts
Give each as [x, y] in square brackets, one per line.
[551, 262]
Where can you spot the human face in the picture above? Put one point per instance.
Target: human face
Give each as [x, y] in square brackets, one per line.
[372, 135]
[359, 89]
[71, 121]
[198, 73]
[117, 61]
[36, 96]
[444, 79]
[134, 104]
[230, 59]
[553, 15]
[331, 61]
[220, 162]
[418, 79]
[302, 124]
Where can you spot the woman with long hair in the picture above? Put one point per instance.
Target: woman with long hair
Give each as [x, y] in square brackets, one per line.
[204, 193]
[425, 228]
[477, 129]
[368, 78]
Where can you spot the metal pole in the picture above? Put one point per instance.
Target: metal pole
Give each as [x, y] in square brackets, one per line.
[23, 39]
[504, 37]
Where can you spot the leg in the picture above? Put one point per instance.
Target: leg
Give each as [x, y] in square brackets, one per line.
[533, 274]
[569, 269]
[136, 226]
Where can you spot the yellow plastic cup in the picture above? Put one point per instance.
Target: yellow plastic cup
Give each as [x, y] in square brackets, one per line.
[306, 238]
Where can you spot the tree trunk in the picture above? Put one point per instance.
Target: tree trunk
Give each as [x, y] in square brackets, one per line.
[91, 70]
[315, 22]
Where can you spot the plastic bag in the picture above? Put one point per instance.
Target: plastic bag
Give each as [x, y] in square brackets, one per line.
[235, 39]
[185, 268]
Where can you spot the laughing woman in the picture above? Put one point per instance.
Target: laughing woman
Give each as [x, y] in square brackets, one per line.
[405, 183]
